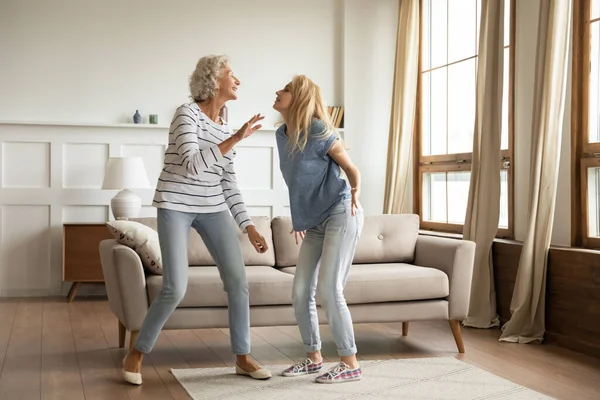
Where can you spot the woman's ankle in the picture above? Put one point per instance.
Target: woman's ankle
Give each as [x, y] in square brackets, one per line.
[244, 359]
[350, 361]
[315, 357]
[134, 355]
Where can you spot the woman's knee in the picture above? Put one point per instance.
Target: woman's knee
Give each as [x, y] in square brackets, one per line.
[331, 297]
[302, 294]
[174, 293]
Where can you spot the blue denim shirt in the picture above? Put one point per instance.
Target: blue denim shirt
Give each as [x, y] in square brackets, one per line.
[313, 179]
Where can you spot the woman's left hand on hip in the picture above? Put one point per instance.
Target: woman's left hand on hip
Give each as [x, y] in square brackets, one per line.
[355, 204]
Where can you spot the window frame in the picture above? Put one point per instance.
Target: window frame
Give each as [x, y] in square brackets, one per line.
[458, 162]
[583, 154]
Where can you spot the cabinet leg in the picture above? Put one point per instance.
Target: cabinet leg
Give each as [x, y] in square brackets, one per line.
[73, 291]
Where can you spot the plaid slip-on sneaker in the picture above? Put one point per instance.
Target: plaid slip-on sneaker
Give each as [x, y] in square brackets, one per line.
[304, 367]
[339, 374]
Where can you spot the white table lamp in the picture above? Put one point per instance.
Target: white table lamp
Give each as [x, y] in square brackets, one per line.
[125, 173]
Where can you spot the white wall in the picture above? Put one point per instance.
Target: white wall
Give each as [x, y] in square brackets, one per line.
[369, 56]
[99, 61]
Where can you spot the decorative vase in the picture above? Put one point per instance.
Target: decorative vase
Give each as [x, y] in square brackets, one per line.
[153, 118]
[137, 117]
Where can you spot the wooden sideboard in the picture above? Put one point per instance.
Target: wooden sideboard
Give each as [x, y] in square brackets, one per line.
[81, 256]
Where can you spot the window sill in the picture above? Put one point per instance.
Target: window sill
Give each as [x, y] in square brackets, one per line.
[426, 232]
[450, 235]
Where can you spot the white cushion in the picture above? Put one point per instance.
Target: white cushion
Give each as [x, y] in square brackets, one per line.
[142, 239]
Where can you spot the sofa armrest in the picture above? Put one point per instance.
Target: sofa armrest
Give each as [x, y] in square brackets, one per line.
[125, 283]
[455, 257]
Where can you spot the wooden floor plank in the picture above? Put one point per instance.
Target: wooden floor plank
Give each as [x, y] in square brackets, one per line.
[61, 379]
[217, 342]
[108, 323]
[407, 346]
[7, 316]
[21, 373]
[194, 351]
[101, 380]
[165, 357]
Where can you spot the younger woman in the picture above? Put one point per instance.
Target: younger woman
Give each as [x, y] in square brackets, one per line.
[327, 215]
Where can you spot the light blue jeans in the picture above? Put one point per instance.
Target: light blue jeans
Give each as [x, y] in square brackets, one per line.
[324, 262]
[219, 235]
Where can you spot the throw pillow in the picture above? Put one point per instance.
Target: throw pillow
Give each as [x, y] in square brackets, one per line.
[142, 239]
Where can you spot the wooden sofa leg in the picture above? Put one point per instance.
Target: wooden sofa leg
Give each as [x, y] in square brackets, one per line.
[405, 329]
[455, 326]
[132, 338]
[122, 333]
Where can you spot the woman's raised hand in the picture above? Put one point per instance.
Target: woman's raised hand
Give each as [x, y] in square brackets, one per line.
[249, 127]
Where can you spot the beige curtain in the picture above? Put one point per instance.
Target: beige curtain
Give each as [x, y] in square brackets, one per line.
[528, 302]
[483, 209]
[404, 100]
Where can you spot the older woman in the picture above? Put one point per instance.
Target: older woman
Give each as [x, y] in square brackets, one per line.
[198, 188]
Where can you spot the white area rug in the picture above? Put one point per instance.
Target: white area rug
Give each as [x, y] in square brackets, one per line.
[415, 378]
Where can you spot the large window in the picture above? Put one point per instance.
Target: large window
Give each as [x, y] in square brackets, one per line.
[448, 64]
[586, 124]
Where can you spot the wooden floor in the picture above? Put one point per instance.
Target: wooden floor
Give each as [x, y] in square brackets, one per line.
[53, 350]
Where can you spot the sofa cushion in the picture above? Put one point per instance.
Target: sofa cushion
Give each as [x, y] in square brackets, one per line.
[382, 283]
[286, 249]
[267, 286]
[389, 238]
[198, 254]
[384, 239]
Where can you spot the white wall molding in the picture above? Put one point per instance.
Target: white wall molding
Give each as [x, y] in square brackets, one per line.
[62, 183]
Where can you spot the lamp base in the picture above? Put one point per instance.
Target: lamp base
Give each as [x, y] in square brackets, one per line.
[126, 204]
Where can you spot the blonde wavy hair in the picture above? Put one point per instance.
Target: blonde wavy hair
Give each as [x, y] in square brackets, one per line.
[307, 104]
[204, 79]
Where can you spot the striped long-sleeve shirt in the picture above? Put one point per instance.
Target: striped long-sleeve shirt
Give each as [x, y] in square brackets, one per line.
[196, 177]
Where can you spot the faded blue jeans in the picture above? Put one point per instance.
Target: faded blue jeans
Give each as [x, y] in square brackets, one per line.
[324, 262]
[219, 235]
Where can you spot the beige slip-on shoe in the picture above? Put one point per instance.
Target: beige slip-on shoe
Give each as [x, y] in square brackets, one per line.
[261, 374]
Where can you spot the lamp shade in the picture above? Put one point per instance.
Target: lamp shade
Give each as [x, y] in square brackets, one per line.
[125, 173]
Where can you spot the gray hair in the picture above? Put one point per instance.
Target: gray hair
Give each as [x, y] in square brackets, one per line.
[203, 81]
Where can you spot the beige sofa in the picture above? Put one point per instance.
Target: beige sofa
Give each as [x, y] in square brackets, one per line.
[397, 276]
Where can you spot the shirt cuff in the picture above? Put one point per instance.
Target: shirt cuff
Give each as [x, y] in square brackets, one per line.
[245, 225]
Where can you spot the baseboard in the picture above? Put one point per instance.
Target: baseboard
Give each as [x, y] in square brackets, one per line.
[25, 293]
[86, 289]
[590, 349]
